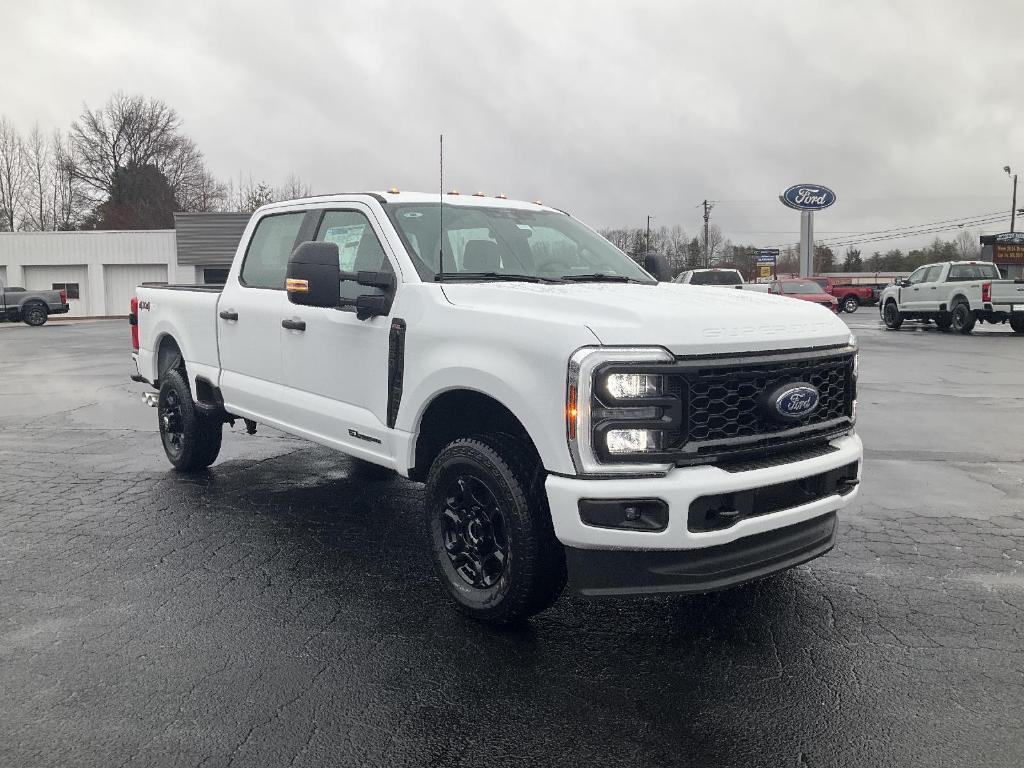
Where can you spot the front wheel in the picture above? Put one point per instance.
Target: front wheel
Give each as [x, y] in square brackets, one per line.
[850, 304]
[1017, 323]
[35, 314]
[963, 319]
[191, 440]
[489, 529]
[892, 316]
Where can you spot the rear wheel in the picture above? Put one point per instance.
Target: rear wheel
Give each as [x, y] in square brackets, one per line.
[191, 439]
[1017, 323]
[35, 314]
[850, 304]
[963, 319]
[489, 529]
[892, 316]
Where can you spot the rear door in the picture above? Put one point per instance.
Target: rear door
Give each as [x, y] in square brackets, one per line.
[249, 320]
[336, 365]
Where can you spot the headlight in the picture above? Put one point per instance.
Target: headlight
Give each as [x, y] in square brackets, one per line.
[633, 385]
[616, 417]
[856, 364]
[625, 441]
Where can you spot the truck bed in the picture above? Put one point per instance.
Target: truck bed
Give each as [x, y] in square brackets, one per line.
[188, 314]
[184, 287]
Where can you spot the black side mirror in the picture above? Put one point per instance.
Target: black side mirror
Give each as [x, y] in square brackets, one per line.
[313, 275]
[657, 265]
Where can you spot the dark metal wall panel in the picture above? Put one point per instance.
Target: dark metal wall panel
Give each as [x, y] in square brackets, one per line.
[208, 239]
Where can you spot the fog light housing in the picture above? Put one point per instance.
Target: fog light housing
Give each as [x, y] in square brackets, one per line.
[627, 441]
[629, 514]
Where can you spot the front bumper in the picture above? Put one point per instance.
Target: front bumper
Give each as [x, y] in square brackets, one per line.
[679, 489]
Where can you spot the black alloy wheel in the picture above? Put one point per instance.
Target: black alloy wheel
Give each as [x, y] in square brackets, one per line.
[35, 314]
[963, 319]
[892, 317]
[475, 533]
[191, 439]
[172, 430]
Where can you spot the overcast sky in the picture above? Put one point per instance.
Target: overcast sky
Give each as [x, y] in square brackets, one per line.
[612, 111]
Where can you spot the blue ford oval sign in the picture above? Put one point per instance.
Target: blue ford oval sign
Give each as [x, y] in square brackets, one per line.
[808, 197]
[795, 402]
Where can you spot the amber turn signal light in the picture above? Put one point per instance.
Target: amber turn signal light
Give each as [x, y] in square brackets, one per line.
[293, 285]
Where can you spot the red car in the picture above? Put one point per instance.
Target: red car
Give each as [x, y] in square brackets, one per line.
[805, 289]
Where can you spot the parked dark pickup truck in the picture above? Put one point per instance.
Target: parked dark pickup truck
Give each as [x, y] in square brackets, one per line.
[849, 296]
[31, 307]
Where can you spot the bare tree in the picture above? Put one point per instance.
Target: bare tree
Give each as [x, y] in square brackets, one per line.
[67, 201]
[38, 213]
[293, 188]
[136, 131]
[967, 245]
[13, 175]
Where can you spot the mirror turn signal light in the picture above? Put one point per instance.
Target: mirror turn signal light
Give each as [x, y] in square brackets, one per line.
[294, 285]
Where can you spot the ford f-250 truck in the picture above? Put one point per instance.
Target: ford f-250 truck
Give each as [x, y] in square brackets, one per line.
[31, 307]
[955, 295]
[569, 414]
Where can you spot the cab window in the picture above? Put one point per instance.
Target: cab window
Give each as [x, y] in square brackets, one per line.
[359, 250]
[932, 275]
[266, 258]
[917, 276]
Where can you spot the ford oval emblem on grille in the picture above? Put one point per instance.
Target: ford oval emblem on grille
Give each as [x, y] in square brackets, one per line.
[794, 401]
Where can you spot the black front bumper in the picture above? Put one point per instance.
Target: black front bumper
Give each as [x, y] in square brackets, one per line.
[633, 572]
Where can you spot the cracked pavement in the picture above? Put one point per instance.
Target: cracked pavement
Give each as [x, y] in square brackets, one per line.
[281, 610]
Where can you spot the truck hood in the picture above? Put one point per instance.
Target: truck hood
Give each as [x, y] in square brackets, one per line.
[685, 319]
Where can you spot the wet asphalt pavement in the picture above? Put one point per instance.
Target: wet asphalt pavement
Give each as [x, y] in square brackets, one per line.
[281, 611]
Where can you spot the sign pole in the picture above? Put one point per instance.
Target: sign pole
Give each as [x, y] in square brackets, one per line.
[806, 243]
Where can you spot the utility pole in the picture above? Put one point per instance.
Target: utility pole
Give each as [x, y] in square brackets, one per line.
[647, 242]
[707, 215]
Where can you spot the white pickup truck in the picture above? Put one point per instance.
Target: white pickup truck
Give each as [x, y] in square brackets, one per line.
[955, 295]
[570, 416]
[729, 278]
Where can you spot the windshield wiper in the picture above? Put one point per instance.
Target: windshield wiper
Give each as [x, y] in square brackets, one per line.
[507, 277]
[598, 277]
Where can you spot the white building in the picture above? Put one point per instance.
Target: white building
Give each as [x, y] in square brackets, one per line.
[100, 269]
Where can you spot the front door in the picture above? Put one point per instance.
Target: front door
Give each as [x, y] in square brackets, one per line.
[336, 366]
[910, 294]
[249, 321]
[929, 290]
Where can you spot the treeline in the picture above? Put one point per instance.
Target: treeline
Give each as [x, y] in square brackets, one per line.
[127, 165]
[684, 252]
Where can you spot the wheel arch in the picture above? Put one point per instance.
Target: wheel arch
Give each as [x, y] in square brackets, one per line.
[460, 412]
[168, 355]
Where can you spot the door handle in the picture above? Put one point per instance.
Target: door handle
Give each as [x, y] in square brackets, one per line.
[294, 325]
[935, 287]
[225, 315]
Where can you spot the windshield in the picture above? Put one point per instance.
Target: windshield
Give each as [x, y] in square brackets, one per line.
[497, 243]
[801, 286]
[716, 277]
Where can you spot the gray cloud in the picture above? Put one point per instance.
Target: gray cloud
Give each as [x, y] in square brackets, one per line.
[611, 110]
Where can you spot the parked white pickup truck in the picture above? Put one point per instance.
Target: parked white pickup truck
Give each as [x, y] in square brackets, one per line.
[955, 295]
[730, 278]
[568, 413]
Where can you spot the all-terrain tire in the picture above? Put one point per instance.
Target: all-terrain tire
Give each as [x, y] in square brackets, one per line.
[35, 313]
[489, 529]
[191, 439]
[892, 316]
[963, 319]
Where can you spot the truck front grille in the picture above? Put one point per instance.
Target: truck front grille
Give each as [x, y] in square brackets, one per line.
[725, 414]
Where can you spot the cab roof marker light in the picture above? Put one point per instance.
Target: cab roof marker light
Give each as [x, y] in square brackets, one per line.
[453, 192]
[393, 191]
[479, 194]
[502, 196]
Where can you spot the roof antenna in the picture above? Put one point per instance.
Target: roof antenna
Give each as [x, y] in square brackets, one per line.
[440, 239]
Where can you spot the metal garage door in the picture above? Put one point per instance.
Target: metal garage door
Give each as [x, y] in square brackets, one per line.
[3, 274]
[120, 281]
[40, 278]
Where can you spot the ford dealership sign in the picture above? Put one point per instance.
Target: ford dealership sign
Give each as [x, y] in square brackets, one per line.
[808, 197]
